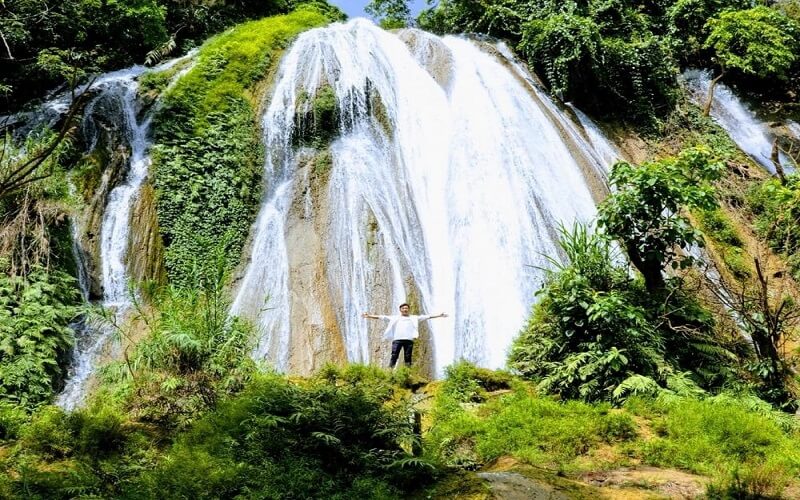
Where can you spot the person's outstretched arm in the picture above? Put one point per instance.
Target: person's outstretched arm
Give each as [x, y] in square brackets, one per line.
[373, 316]
[442, 315]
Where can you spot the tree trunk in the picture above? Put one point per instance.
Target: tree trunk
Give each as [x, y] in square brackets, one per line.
[710, 97]
[651, 270]
[776, 160]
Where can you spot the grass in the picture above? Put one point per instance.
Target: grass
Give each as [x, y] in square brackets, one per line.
[230, 65]
[738, 447]
[706, 437]
[726, 241]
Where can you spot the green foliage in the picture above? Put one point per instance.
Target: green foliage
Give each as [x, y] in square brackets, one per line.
[687, 25]
[35, 334]
[789, 7]
[278, 439]
[317, 118]
[208, 158]
[567, 45]
[644, 212]
[320, 438]
[12, 417]
[391, 14]
[47, 45]
[597, 335]
[711, 437]
[602, 55]
[777, 216]
[51, 44]
[193, 353]
[207, 182]
[467, 382]
[33, 167]
[760, 41]
[718, 227]
[534, 430]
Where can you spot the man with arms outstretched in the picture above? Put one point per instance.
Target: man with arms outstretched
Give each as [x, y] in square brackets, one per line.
[403, 330]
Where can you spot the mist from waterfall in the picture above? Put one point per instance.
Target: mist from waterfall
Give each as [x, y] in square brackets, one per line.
[464, 168]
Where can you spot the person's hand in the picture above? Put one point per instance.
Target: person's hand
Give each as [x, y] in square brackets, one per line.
[443, 315]
[365, 315]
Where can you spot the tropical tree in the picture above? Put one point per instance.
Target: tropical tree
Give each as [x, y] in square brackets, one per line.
[645, 211]
[390, 14]
[760, 41]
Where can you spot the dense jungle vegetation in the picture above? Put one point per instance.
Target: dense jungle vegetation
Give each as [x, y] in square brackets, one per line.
[629, 358]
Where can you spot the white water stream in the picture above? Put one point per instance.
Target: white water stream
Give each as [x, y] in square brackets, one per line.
[467, 178]
[752, 135]
[118, 96]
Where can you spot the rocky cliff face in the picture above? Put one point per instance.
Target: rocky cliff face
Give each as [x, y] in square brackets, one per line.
[145, 248]
[106, 166]
[315, 338]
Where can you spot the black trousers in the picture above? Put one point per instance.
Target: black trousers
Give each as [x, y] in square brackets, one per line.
[407, 346]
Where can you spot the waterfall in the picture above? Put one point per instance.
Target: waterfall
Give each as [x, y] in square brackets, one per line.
[117, 95]
[605, 151]
[752, 135]
[447, 160]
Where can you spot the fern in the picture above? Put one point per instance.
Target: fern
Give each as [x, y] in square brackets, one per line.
[636, 385]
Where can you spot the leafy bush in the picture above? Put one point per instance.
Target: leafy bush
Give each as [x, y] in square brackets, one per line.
[687, 25]
[597, 334]
[644, 213]
[12, 417]
[760, 41]
[278, 439]
[35, 334]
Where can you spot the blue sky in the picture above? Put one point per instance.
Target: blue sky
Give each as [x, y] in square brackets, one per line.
[355, 8]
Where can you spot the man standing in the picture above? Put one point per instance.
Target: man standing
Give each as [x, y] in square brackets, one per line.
[402, 330]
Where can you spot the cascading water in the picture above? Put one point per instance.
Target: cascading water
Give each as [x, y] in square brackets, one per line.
[585, 135]
[607, 153]
[118, 92]
[459, 174]
[752, 135]
[118, 96]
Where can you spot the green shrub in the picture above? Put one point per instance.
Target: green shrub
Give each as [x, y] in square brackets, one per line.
[278, 439]
[12, 418]
[35, 334]
[98, 430]
[467, 382]
[48, 434]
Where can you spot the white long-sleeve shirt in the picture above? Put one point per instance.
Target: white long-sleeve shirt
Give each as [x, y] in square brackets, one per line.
[403, 327]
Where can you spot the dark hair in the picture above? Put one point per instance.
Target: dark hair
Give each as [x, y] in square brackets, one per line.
[404, 304]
